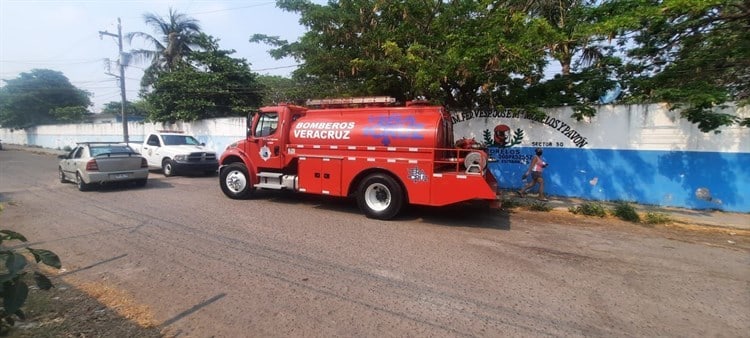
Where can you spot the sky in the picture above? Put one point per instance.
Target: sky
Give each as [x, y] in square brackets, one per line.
[63, 35]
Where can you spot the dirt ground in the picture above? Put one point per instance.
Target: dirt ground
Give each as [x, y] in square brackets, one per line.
[77, 309]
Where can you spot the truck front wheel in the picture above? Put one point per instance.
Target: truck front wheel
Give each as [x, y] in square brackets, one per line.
[167, 168]
[235, 181]
[379, 196]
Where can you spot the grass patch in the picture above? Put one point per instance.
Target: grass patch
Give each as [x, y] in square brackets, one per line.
[511, 203]
[589, 209]
[626, 212]
[539, 206]
[656, 218]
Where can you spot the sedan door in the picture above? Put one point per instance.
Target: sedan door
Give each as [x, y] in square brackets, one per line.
[68, 164]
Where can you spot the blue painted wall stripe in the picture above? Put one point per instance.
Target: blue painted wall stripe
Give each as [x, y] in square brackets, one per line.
[688, 179]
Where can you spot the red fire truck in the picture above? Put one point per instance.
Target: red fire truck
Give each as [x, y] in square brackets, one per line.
[383, 154]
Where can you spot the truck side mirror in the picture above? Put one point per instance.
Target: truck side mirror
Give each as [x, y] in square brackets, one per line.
[249, 124]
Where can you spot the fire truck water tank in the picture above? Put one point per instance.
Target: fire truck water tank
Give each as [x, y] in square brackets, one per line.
[382, 126]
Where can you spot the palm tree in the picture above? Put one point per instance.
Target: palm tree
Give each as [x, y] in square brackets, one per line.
[567, 18]
[177, 34]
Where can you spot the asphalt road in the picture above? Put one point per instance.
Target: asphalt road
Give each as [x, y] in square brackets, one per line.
[298, 265]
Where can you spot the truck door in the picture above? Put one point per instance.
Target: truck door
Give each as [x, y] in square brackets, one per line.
[265, 148]
[151, 151]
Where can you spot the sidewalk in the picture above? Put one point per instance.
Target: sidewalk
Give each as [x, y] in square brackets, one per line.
[711, 218]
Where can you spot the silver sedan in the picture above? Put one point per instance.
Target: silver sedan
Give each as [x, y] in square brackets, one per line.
[91, 163]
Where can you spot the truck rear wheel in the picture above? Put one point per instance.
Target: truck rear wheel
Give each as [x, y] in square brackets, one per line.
[235, 181]
[379, 196]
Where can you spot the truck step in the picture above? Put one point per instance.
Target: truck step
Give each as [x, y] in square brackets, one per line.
[275, 186]
[269, 174]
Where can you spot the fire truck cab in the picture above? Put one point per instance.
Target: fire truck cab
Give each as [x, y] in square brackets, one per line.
[384, 155]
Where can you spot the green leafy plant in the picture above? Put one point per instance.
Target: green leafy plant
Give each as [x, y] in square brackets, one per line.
[589, 209]
[625, 211]
[511, 203]
[539, 206]
[656, 218]
[14, 276]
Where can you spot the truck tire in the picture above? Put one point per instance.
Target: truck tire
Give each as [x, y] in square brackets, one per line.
[235, 181]
[379, 196]
[167, 167]
[82, 186]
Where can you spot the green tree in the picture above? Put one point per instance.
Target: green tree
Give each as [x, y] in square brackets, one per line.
[131, 108]
[206, 84]
[175, 39]
[458, 52]
[692, 53]
[41, 96]
[277, 89]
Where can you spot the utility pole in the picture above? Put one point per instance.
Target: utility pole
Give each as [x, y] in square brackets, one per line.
[123, 112]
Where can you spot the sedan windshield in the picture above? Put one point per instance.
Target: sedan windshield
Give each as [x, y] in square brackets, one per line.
[176, 140]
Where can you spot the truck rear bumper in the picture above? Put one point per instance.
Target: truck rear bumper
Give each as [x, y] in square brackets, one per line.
[497, 203]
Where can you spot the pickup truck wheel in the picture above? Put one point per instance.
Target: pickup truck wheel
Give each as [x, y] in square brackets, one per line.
[82, 186]
[62, 175]
[379, 196]
[167, 168]
[235, 181]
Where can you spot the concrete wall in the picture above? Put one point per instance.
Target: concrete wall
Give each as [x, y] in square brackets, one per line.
[640, 153]
[215, 133]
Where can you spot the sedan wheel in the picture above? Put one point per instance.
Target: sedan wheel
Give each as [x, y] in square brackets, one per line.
[82, 186]
[62, 175]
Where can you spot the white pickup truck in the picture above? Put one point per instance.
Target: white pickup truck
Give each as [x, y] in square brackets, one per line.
[174, 152]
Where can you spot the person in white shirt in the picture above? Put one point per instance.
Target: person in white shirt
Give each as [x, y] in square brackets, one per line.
[536, 167]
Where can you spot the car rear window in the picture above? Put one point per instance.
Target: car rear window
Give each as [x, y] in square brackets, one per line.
[110, 149]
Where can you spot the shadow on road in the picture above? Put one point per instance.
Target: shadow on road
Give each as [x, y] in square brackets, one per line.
[120, 186]
[469, 214]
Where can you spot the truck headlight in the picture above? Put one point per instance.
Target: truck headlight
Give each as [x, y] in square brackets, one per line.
[180, 157]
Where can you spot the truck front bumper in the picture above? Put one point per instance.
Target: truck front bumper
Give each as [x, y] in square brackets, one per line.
[191, 166]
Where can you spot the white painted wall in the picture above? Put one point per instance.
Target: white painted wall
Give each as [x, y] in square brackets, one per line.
[635, 127]
[216, 133]
[642, 153]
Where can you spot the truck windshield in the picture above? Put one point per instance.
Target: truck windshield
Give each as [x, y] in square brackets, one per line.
[176, 140]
